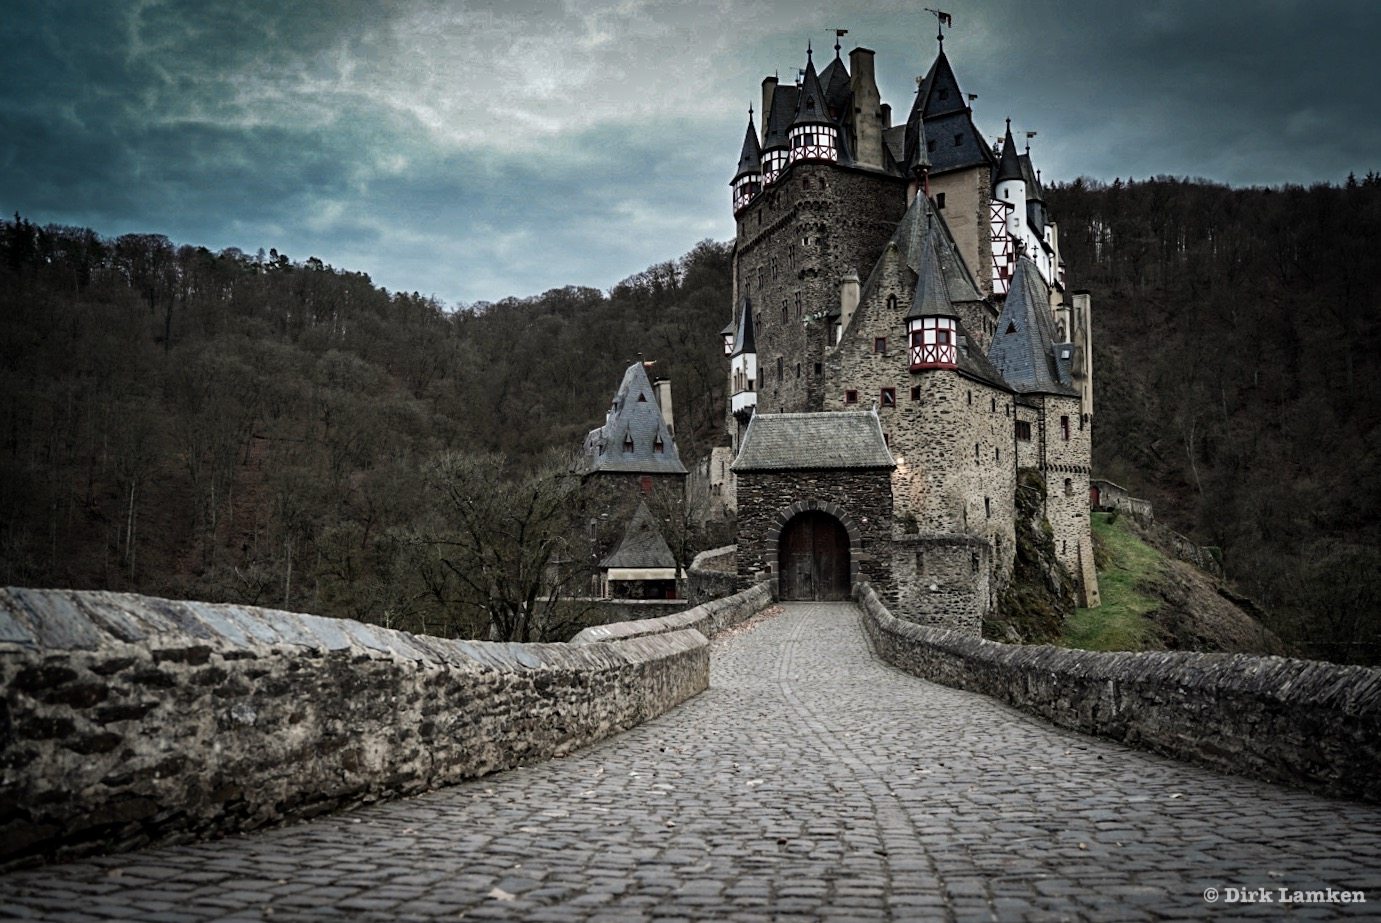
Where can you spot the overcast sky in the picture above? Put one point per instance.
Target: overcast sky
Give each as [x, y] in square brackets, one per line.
[475, 150]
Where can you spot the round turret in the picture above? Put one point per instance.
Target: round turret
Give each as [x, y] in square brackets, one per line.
[814, 135]
[748, 182]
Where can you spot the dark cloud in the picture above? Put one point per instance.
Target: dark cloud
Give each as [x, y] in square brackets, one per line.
[480, 150]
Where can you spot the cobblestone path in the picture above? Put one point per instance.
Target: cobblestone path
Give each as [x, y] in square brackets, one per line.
[811, 782]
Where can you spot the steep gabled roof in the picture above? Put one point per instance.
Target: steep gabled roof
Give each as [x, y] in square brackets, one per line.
[945, 111]
[838, 88]
[1023, 348]
[778, 121]
[636, 416]
[940, 94]
[922, 221]
[750, 157]
[744, 340]
[642, 544]
[1033, 182]
[799, 441]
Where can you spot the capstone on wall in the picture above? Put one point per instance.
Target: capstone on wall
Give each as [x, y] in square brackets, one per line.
[130, 719]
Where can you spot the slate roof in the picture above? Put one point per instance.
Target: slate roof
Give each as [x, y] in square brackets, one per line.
[778, 120]
[945, 111]
[931, 297]
[839, 89]
[1009, 166]
[744, 340]
[811, 106]
[750, 158]
[636, 414]
[642, 544]
[1023, 348]
[797, 441]
[922, 221]
[914, 157]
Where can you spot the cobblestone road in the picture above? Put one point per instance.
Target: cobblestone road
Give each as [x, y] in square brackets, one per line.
[811, 782]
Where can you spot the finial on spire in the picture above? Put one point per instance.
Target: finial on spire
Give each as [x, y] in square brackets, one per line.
[808, 51]
[1009, 126]
[838, 34]
[942, 19]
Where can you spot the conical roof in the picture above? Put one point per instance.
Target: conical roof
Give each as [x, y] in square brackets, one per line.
[838, 88]
[1023, 348]
[932, 294]
[917, 156]
[1009, 167]
[744, 341]
[642, 545]
[811, 105]
[921, 222]
[750, 158]
[940, 94]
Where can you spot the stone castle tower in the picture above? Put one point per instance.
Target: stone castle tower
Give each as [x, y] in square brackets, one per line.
[908, 273]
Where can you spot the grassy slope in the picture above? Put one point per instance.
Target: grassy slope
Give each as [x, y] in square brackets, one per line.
[1122, 622]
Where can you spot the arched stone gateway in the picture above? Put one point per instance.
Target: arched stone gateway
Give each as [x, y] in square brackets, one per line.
[813, 558]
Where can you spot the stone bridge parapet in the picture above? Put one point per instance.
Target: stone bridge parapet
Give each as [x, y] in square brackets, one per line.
[1306, 723]
[127, 719]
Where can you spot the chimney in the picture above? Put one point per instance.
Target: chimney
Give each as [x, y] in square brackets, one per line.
[848, 298]
[886, 116]
[662, 389]
[868, 116]
[769, 89]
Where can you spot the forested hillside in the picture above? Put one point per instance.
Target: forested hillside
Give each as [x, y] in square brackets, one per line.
[250, 428]
[1237, 360]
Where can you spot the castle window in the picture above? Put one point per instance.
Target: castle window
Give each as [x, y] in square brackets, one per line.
[887, 439]
[891, 302]
[642, 398]
[817, 368]
[958, 140]
[1069, 487]
[988, 507]
[930, 145]
[851, 396]
[783, 312]
[798, 370]
[933, 342]
[879, 344]
[628, 443]
[889, 397]
[805, 182]
[1064, 428]
[779, 368]
[939, 200]
[646, 483]
[994, 400]
[1023, 431]
[916, 392]
[920, 562]
[970, 396]
[658, 446]
[997, 455]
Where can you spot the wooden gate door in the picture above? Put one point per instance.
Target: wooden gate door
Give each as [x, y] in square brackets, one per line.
[813, 554]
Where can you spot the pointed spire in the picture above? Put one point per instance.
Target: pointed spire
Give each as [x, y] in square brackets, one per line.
[1010, 165]
[931, 297]
[1023, 348]
[750, 158]
[744, 340]
[916, 151]
[811, 106]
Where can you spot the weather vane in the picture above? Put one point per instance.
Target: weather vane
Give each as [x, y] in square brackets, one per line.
[942, 19]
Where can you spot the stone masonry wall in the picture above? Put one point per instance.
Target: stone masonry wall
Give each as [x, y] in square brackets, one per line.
[816, 223]
[864, 495]
[127, 720]
[708, 619]
[941, 581]
[1306, 723]
[1066, 465]
[713, 575]
[968, 194]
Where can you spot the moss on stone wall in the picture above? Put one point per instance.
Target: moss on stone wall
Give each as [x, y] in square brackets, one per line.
[1040, 597]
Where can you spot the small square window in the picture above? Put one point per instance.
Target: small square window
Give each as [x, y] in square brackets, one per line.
[851, 396]
[939, 200]
[887, 439]
[958, 140]
[915, 392]
[879, 344]
[929, 146]
[817, 368]
[889, 397]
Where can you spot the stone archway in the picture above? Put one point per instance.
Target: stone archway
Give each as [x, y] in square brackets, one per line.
[815, 547]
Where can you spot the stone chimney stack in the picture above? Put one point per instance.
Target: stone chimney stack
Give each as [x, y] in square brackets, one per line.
[848, 298]
[769, 89]
[868, 116]
[886, 115]
[662, 389]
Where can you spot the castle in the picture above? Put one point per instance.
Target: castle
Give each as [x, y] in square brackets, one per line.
[902, 344]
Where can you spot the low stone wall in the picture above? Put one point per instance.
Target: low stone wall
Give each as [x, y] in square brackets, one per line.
[708, 619]
[127, 719]
[713, 575]
[1305, 723]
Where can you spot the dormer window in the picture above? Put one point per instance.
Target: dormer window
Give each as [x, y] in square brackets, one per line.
[658, 446]
[933, 342]
[628, 445]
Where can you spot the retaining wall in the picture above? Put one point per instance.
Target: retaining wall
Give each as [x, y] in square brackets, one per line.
[127, 719]
[1306, 723]
[713, 575]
